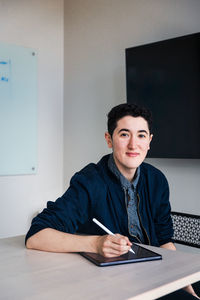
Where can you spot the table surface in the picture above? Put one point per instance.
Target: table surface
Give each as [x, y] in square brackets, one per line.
[30, 274]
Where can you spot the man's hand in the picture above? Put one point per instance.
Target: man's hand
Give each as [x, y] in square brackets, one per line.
[113, 245]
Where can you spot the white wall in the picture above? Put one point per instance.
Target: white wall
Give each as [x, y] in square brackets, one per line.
[96, 34]
[36, 24]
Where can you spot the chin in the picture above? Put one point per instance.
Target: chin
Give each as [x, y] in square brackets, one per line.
[135, 164]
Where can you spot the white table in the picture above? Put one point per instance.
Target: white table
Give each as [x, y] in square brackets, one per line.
[29, 274]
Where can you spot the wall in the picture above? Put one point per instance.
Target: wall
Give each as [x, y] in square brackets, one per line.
[96, 34]
[36, 24]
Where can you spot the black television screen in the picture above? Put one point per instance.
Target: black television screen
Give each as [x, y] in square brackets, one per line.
[165, 77]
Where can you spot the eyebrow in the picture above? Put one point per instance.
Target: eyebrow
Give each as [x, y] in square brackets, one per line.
[127, 130]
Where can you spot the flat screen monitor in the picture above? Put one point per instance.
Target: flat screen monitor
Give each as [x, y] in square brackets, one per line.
[165, 77]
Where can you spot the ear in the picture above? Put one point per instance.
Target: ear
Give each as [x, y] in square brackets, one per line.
[108, 139]
[150, 139]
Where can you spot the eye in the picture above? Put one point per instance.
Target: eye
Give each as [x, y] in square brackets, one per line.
[124, 134]
[142, 136]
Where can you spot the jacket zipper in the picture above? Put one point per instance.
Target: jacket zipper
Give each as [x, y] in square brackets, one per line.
[141, 220]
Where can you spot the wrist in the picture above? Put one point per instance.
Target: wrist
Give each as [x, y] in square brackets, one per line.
[94, 243]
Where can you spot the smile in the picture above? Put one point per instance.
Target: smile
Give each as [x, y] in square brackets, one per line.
[132, 154]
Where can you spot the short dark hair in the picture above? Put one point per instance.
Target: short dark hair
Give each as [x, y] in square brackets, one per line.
[127, 109]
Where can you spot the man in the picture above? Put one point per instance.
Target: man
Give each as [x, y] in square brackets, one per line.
[128, 196]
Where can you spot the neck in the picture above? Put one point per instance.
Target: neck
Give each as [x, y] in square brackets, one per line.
[129, 174]
[130, 177]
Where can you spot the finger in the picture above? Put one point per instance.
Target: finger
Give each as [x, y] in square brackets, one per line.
[113, 253]
[113, 245]
[128, 242]
[122, 236]
[122, 240]
[120, 247]
[126, 238]
[117, 246]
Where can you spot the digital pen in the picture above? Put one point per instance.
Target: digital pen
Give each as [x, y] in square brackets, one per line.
[107, 230]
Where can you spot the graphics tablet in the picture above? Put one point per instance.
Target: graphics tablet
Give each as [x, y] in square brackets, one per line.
[141, 254]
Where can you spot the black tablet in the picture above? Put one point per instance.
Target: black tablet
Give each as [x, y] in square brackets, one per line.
[141, 254]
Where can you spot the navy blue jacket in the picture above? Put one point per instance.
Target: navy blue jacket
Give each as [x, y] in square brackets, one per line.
[95, 192]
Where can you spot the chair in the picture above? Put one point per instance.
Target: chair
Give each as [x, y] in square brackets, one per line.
[186, 229]
[187, 232]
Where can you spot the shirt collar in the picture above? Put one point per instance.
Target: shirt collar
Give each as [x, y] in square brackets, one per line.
[123, 180]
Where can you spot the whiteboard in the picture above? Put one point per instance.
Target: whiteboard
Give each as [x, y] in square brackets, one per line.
[18, 110]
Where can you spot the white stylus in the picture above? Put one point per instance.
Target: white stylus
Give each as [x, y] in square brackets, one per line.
[106, 230]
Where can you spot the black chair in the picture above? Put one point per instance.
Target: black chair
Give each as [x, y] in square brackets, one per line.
[186, 229]
[187, 232]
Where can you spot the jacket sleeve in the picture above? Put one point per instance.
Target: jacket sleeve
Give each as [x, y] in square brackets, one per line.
[163, 220]
[67, 212]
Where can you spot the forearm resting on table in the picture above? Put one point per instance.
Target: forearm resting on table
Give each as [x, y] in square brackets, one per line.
[53, 240]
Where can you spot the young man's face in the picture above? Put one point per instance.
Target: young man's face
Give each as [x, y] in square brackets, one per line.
[130, 143]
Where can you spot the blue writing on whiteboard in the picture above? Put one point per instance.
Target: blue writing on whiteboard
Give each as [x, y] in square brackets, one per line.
[4, 79]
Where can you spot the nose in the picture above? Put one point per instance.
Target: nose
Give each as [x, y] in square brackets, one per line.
[132, 142]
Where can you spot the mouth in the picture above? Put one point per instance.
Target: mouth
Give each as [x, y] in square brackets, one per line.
[132, 154]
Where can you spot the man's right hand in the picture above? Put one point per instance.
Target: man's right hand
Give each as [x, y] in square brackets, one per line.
[113, 245]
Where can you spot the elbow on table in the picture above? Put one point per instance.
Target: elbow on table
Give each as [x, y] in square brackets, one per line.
[40, 240]
[30, 242]
[34, 241]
